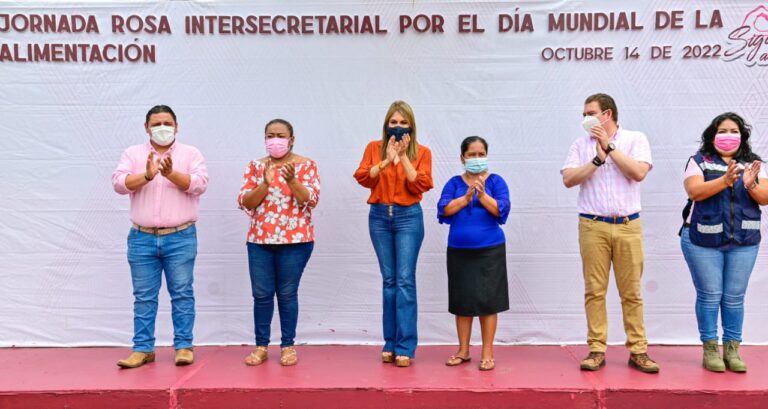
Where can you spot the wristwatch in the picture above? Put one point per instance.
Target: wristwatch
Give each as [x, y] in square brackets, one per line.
[611, 147]
[596, 161]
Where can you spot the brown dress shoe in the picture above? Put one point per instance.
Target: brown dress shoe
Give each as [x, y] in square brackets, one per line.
[593, 361]
[136, 359]
[643, 363]
[184, 356]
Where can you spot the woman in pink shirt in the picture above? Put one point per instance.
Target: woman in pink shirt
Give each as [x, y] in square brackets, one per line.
[279, 192]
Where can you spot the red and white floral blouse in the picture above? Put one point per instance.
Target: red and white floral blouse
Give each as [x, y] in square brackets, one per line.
[279, 219]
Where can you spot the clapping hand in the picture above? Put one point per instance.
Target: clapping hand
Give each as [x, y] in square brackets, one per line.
[750, 173]
[470, 193]
[152, 166]
[479, 187]
[288, 172]
[391, 149]
[732, 174]
[166, 166]
[602, 138]
[402, 146]
[269, 177]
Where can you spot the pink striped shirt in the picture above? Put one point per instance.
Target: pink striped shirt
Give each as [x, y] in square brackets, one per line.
[608, 192]
[160, 203]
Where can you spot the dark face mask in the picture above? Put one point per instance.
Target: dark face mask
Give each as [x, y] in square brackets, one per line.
[398, 132]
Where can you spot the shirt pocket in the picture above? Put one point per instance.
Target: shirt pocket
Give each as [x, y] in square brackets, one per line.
[710, 223]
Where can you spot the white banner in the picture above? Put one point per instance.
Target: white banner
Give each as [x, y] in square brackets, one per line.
[78, 78]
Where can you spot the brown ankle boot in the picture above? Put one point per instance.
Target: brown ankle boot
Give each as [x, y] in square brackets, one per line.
[712, 360]
[732, 358]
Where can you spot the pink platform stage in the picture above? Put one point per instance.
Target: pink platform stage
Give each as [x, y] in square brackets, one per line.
[352, 377]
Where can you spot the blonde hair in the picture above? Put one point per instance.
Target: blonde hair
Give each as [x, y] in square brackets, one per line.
[406, 111]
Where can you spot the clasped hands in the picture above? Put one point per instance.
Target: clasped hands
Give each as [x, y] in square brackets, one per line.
[603, 139]
[478, 186]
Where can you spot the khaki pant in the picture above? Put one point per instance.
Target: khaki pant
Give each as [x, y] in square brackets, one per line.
[601, 244]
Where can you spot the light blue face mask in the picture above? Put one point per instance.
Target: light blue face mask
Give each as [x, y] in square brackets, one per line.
[476, 165]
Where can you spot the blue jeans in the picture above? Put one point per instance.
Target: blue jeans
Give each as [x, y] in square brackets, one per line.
[720, 277]
[276, 270]
[397, 233]
[149, 256]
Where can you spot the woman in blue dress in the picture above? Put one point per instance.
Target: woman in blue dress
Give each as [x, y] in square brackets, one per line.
[475, 204]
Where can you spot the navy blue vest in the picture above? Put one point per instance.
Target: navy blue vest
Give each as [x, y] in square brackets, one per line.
[731, 216]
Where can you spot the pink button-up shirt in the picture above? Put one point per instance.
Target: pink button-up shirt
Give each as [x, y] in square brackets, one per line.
[160, 203]
[608, 192]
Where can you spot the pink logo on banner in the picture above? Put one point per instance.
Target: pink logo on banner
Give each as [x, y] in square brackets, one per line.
[748, 40]
[757, 19]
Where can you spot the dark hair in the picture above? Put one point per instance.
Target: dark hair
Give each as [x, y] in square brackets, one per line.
[469, 141]
[744, 153]
[605, 102]
[159, 109]
[280, 121]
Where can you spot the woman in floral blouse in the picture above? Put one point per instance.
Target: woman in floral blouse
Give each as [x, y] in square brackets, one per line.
[279, 192]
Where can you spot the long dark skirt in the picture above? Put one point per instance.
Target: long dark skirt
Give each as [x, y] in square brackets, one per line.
[477, 281]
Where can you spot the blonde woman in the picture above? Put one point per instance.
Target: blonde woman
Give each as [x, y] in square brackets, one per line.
[398, 171]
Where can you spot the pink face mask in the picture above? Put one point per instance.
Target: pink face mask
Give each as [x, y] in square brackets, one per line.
[277, 147]
[727, 142]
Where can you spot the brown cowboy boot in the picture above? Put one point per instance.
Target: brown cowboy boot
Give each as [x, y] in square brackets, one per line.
[136, 359]
[184, 356]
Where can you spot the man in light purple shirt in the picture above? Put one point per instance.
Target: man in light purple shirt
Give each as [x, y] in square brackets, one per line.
[164, 179]
[608, 164]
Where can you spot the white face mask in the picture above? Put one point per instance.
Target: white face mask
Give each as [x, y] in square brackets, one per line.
[163, 135]
[590, 122]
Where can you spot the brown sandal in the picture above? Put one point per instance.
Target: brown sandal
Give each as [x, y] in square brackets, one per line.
[456, 360]
[256, 357]
[402, 361]
[487, 364]
[288, 356]
[387, 357]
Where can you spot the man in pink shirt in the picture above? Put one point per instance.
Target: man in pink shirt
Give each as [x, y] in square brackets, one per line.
[164, 179]
[608, 164]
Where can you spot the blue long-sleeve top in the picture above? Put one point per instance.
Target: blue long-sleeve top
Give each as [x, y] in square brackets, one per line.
[474, 227]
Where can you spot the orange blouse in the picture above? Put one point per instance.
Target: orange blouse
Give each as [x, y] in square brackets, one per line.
[391, 186]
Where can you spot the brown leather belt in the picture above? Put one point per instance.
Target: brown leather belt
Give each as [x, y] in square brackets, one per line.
[163, 231]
